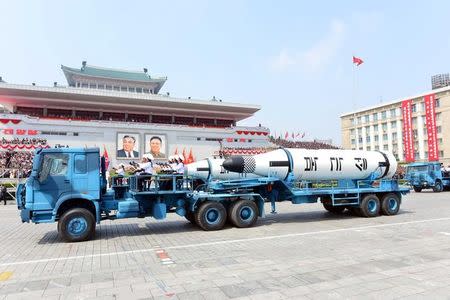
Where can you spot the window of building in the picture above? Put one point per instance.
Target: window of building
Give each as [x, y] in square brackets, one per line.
[385, 137]
[131, 89]
[367, 129]
[392, 113]
[375, 116]
[394, 125]
[385, 147]
[375, 127]
[359, 130]
[438, 116]
[359, 120]
[366, 118]
[101, 86]
[92, 86]
[116, 88]
[414, 107]
[441, 153]
[414, 121]
[394, 135]
[368, 148]
[146, 91]
[384, 126]
[84, 85]
[123, 88]
[360, 139]
[383, 115]
[109, 87]
[416, 155]
[352, 131]
[415, 133]
[440, 141]
[368, 139]
[138, 90]
[361, 148]
[438, 129]
[377, 147]
[353, 141]
[437, 103]
[422, 106]
[375, 138]
[425, 130]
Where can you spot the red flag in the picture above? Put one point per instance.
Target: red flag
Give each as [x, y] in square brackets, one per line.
[184, 153]
[106, 156]
[286, 135]
[357, 60]
[191, 157]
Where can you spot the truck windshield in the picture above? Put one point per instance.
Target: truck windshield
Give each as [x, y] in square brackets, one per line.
[54, 164]
[417, 169]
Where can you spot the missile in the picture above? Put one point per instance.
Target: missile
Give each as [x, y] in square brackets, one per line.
[211, 169]
[307, 164]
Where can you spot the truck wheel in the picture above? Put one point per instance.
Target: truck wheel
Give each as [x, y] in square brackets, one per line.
[438, 187]
[211, 216]
[370, 206]
[243, 213]
[326, 202]
[417, 189]
[390, 204]
[76, 225]
[190, 217]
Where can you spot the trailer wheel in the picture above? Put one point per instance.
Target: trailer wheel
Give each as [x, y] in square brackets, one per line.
[438, 187]
[417, 189]
[327, 204]
[76, 225]
[354, 210]
[211, 216]
[243, 213]
[370, 206]
[390, 204]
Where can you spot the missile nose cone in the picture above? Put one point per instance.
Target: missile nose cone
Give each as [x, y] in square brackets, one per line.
[234, 164]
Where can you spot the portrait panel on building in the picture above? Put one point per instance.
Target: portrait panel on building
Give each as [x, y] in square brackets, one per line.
[156, 145]
[128, 145]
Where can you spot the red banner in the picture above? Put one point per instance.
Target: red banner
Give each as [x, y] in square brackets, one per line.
[408, 138]
[430, 117]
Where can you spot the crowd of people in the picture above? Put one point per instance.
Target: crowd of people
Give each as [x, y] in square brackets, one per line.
[314, 145]
[174, 165]
[15, 164]
[24, 141]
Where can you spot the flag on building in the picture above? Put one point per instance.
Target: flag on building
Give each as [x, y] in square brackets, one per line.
[286, 135]
[357, 60]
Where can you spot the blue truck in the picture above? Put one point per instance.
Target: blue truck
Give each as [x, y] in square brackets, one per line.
[427, 175]
[69, 186]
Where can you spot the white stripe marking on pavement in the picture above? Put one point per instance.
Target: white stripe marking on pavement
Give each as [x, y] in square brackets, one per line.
[223, 242]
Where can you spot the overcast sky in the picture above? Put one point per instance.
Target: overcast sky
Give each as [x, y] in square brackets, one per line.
[294, 58]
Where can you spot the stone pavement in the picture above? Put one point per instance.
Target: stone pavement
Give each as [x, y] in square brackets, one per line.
[302, 252]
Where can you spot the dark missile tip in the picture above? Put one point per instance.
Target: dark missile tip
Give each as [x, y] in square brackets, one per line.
[234, 164]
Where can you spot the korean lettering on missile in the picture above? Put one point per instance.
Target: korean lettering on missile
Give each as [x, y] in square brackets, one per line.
[335, 163]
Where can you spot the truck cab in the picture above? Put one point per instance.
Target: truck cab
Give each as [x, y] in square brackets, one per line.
[61, 179]
[427, 175]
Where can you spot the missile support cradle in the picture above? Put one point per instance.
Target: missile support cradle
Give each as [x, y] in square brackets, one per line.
[86, 201]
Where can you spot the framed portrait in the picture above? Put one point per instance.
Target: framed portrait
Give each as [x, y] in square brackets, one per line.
[128, 146]
[156, 145]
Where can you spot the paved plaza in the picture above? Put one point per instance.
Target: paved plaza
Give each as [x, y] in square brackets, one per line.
[303, 252]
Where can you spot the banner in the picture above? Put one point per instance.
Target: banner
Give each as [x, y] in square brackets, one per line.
[408, 139]
[430, 117]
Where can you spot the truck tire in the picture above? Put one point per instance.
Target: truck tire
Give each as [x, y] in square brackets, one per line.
[243, 213]
[417, 189]
[76, 225]
[327, 204]
[390, 204]
[211, 216]
[370, 206]
[438, 187]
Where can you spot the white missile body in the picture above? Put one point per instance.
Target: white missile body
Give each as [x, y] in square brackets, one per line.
[212, 169]
[316, 164]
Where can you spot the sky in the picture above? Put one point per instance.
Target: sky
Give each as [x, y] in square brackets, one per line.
[293, 58]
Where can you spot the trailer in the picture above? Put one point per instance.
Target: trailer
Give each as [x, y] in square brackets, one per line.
[68, 186]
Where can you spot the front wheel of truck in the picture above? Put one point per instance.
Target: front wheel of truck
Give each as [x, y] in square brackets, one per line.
[76, 225]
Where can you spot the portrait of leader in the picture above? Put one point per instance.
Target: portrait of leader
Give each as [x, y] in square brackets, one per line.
[127, 145]
[156, 144]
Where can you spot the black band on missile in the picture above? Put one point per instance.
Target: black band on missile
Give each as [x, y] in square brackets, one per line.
[279, 163]
[203, 169]
[384, 164]
[234, 164]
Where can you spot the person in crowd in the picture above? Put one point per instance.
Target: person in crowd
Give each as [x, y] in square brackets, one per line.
[179, 169]
[3, 193]
[127, 151]
[146, 165]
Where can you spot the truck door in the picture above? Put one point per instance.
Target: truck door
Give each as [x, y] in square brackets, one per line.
[53, 181]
